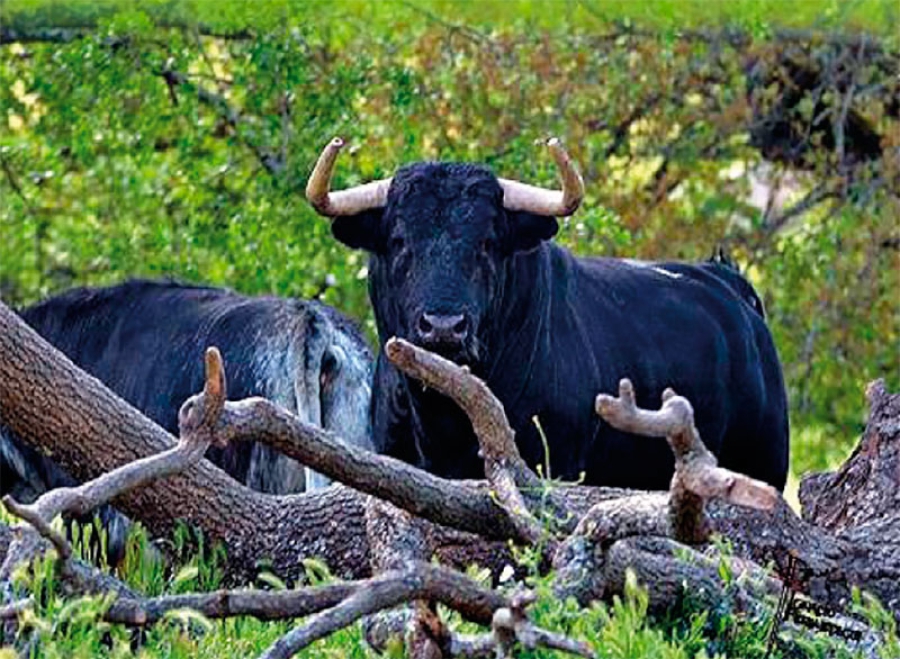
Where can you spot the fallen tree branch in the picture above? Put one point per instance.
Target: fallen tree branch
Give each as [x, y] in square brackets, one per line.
[418, 581]
[444, 502]
[504, 467]
[510, 627]
[697, 475]
[614, 535]
[673, 573]
[421, 581]
[42, 526]
[52, 405]
[396, 540]
[263, 605]
[605, 538]
[495, 436]
[196, 421]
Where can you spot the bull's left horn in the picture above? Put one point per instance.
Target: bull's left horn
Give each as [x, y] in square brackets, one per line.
[343, 202]
[559, 203]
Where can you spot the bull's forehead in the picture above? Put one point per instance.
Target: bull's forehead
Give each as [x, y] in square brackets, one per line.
[446, 193]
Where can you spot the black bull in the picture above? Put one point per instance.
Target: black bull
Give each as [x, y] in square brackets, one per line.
[453, 268]
[145, 340]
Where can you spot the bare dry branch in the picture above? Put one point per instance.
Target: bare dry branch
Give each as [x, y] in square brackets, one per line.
[451, 503]
[612, 537]
[42, 526]
[396, 540]
[674, 420]
[510, 625]
[263, 605]
[697, 477]
[197, 419]
[495, 436]
[419, 581]
[504, 467]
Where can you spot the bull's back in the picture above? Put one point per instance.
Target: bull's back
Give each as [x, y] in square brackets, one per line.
[660, 325]
[143, 339]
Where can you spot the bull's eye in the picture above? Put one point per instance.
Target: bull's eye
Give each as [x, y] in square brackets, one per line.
[487, 246]
[397, 244]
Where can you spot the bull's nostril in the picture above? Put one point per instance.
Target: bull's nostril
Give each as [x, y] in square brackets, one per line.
[425, 327]
[443, 330]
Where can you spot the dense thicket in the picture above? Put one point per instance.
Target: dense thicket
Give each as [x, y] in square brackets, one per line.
[140, 143]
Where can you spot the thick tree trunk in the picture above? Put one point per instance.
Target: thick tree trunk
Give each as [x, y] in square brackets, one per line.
[859, 504]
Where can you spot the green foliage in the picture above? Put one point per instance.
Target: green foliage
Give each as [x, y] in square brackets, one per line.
[349, 17]
[65, 626]
[108, 171]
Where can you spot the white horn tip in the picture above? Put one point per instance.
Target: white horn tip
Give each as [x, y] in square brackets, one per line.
[553, 141]
[337, 142]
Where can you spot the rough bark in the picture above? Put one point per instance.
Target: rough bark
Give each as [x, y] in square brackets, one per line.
[509, 476]
[56, 407]
[867, 486]
[197, 419]
[590, 563]
[398, 539]
[451, 503]
[390, 589]
[859, 503]
[697, 478]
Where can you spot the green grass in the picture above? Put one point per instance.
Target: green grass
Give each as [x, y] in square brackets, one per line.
[67, 627]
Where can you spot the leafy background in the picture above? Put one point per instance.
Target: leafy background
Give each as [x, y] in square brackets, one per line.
[173, 139]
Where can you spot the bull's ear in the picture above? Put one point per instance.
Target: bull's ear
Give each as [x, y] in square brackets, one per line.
[360, 231]
[528, 230]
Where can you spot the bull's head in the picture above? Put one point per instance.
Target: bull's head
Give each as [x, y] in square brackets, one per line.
[441, 236]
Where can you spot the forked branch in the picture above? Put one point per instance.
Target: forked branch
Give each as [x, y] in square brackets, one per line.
[418, 581]
[698, 477]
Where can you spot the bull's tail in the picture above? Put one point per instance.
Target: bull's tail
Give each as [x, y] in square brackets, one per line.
[343, 380]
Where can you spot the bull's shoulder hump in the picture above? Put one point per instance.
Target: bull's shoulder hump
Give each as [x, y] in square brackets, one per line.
[636, 281]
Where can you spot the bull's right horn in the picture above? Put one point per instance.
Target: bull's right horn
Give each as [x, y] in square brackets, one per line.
[343, 202]
[558, 203]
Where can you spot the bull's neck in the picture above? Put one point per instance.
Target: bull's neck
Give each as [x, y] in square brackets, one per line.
[515, 336]
[519, 318]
